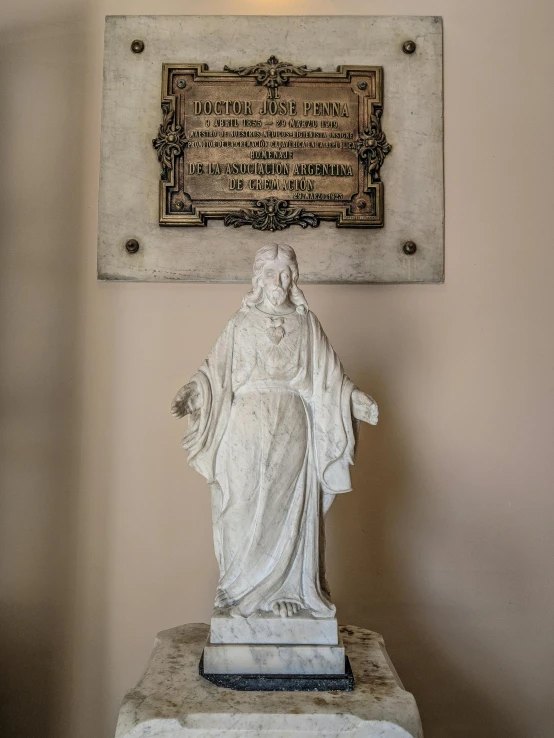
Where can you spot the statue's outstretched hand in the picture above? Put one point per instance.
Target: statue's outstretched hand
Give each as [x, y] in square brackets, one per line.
[185, 401]
[364, 407]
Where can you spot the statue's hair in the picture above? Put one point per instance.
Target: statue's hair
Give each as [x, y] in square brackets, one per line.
[269, 253]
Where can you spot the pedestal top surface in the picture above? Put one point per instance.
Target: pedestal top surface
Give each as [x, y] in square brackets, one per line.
[172, 700]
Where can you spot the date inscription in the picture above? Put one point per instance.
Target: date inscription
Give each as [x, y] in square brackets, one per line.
[271, 145]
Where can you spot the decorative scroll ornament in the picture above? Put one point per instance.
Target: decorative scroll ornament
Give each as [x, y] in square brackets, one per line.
[372, 146]
[170, 142]
[272, 214]
[272, 74]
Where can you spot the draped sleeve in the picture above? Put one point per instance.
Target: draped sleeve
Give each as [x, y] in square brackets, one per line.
[335, 429]
[207, 424]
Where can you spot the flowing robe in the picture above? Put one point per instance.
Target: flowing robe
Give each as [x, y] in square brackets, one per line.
[273, 432]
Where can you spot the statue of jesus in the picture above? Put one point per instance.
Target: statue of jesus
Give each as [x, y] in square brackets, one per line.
[272, 428]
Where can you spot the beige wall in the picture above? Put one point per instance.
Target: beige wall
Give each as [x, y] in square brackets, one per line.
[446, 544]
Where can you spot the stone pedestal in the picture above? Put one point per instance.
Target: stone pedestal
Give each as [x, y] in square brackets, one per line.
[172, 699]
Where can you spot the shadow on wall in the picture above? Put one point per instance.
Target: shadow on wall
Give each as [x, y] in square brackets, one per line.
[372, 558]
[41, 116]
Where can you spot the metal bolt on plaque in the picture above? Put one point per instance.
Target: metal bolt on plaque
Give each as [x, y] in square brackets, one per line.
[132, 246]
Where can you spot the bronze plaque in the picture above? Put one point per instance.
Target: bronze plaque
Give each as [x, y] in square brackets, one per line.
[271, 145]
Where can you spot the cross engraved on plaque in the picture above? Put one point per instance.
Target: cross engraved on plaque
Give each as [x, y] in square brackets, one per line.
[271, 145]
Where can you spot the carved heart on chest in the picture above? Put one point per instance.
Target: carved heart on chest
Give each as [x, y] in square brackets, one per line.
[275, 331]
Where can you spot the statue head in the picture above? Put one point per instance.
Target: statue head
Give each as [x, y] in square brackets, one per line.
[276, 277]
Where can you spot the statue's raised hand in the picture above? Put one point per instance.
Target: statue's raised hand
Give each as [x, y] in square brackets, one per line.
[364, 407]
[186, 401]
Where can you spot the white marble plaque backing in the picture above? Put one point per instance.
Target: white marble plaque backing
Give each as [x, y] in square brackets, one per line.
[412, 173]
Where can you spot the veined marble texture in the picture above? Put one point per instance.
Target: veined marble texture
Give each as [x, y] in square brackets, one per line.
[272, 428]
[271, 659]
[267, 628]
[172, 700]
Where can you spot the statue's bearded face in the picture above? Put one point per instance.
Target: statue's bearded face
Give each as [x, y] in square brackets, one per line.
[276, 280]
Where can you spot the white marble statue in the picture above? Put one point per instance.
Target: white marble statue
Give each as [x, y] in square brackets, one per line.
[273, 425]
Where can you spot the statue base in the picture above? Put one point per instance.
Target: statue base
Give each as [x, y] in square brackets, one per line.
[283, 682]
[172, 700]
[268, 645]
[267, 628]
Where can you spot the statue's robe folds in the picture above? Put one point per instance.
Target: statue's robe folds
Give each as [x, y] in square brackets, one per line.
[274, 432]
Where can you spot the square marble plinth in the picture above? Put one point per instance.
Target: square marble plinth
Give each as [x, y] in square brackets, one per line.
[172, 699]
[267, 643]
[271, 659]
[265, 628]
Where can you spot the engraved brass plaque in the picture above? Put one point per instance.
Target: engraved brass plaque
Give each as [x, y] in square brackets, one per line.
[271, 145]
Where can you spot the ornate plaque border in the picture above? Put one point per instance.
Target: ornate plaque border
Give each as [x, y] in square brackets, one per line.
[364, 210]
